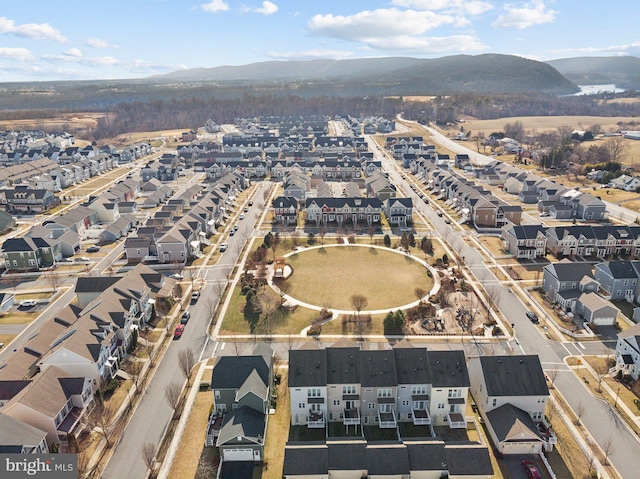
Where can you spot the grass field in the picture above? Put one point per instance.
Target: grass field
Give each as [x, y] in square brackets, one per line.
[18, 317]
[547, 123]
[6, 339]
[330, 276]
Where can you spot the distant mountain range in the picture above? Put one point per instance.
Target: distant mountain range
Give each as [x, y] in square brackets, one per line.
[490, 73]
[624, 72]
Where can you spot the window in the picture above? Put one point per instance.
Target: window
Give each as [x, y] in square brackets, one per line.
[348, 389]
[336, 402]
[313, 392]
[440, 405]
[217, 394]
[494, 402]
[419, 390]
[301, 405]
[384, 393]
[536, 415]
[405, 402]
[371, 405]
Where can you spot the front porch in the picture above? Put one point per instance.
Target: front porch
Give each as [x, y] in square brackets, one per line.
[420, 417]
[213, 429]
[387, 420]
[351, 417]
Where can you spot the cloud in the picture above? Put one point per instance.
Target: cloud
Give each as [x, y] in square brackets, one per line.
[612, 50]
[215, 6]
[36, 31]
[268, 8]
[73, 52]
[381, 23]
[459, 7]
[533, 13]
[17, 54]
[394, 30]
[98, 43]
[311, 55]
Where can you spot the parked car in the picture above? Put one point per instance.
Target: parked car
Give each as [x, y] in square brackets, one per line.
[185, 317]
[177, 276]
[66, 260]
[93, 249]
[531, 469]
[447, 220]
[250, 203]
[232, 232]
[426, 200]
[533, 317]
[28, 303]
[82, 259]
[195, 296]
[223, 247]
[246, 209]
[178, 332]
[440, 214]
[241, 216]
[235, 227]
[406, 229]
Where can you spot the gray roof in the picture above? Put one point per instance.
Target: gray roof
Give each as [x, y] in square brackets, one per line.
[378, 368]
[427, 456]
[230, 372]
[411, 366]
[307, 368]
[514, 376]
[95, 284]
[305, 460]
[345, 456]
[343, 365]
[245, 423]
[448, 369]
[508, 421]
[566, 270]
[387, 459]
[471, 460]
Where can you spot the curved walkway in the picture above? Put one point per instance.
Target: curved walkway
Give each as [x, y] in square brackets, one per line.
[338, 312]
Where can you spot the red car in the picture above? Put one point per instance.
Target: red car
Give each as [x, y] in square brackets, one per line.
[178, 332]
[531, 470]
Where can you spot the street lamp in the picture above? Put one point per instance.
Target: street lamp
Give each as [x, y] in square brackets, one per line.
[615, 403]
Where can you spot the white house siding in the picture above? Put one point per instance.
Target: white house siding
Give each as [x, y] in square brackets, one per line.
[71, 363]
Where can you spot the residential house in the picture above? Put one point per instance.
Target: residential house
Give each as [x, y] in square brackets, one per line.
[595, 310]
[17, 437]
[618, 279]
[27, 253]
[563, 282]
[524, 241]
[241, 388]
[54, 402]
[285, 210]
[25, 200]
[511, 394]
[628, 351]
[356, 211]
[399, 211]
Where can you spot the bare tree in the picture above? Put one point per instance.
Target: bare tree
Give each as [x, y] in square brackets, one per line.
[580, 408]
[295, 238]
[53, 278]
[601, 369]
[269, 307]
[238, 346]
[172, 392]
[371, 232]
[322, 232]
[148, 453]
[359, 302]
[419, 293]
[284, 287]
[150, 349]
[211, 304]
[103, 420]
[553, 373]
[134, 369]
[617, 147]
[608, 449]
[186, 361]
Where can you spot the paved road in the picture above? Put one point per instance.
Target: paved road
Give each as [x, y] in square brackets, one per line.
[153, 413]
[598, 418]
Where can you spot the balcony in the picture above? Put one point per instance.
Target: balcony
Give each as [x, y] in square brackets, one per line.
[213, 429]
[315, 420]
[456, 420]
[351, 417]
[387, 420]
[420, 417]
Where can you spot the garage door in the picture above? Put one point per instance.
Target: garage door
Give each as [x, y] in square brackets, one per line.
[521, 448]
[238, 454]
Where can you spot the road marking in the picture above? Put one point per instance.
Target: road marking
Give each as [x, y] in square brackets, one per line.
[580, 344]
[223, 345]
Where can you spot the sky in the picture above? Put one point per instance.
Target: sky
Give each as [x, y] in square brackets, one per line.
[43, 40]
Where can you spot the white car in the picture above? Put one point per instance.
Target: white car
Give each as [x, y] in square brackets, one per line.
[28, 303]
[177, 276]
[223, 247]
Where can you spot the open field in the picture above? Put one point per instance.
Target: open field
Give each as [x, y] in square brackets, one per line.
[65, 121]
[330, 276]
[134, 137]
[547, 123]
[6, 339]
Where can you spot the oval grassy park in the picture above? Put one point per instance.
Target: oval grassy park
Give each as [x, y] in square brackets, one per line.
[329, 276]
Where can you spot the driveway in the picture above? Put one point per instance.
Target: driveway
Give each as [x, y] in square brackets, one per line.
[514, 466]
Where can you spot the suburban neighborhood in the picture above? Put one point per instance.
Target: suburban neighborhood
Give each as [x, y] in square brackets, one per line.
[315, 297]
